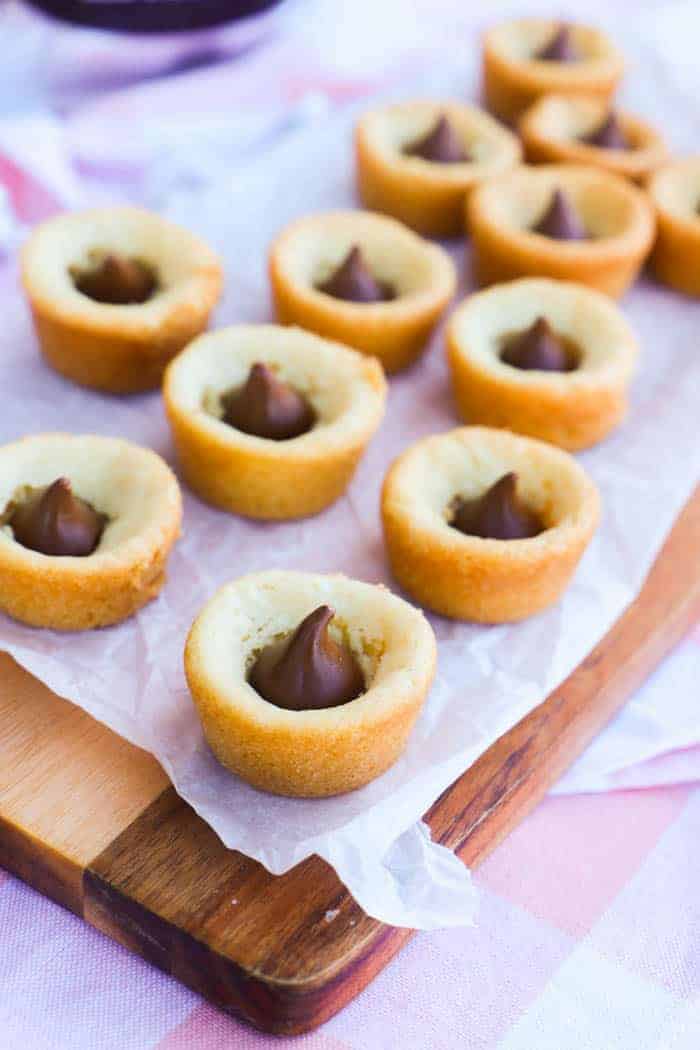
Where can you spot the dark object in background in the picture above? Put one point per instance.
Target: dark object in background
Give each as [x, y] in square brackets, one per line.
[152, 16]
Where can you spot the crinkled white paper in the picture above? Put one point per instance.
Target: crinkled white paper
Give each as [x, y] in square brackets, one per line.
[131, 678]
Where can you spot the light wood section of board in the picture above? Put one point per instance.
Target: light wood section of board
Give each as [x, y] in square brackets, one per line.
[68, 785]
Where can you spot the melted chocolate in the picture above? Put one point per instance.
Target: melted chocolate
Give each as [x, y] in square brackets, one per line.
[498, 515]
[608, 135]
[53, 521]
[441, 145]
[309, 670]
[117, 280]
[560, 220]
[560, 48]
[540, 349]
[354, 281]
[268, 408]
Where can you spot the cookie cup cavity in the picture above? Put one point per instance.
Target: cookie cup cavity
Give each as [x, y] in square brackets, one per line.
[572, 409]
[675, 195]
[551, 131]
[468, 578]
[256, 476]
[120, 349]
[617, 216]
[396, 332]
[428, 197]
[513, 78]
[308, 753]
[137, 492]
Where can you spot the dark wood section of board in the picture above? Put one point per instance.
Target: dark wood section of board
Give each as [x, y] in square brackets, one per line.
[286, 953]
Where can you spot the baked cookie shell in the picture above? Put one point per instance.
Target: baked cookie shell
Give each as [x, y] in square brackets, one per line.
[552, 127]
[500, 215]
[428, 197]
[468, 578]
[140, 496]
[254, 476]
[513, 79]
[571, 409]
[675, 194]
[397, 331]
[120, 349]
[314, 753]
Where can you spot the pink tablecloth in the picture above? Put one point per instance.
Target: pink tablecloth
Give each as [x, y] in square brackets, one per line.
[588, 936]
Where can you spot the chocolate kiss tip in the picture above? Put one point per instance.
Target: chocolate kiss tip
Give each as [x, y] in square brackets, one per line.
[560, 48]
[309, 670]
[117, 281]
[609, 135]
[560, 220]
[55, 522]
[59, 490]
[498, 514]
[268, 408]
[354, 282]
[440, 145]
[537, 349]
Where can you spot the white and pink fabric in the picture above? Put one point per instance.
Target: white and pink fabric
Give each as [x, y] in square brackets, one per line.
[588, 931]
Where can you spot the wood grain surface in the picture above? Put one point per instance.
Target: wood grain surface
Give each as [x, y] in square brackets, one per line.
[90, 821]
[68, 786]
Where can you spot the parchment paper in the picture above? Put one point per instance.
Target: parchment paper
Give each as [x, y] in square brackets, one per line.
[130, 677]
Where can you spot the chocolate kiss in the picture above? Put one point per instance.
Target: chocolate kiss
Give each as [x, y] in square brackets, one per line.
[560, 48]
[117, 280]
[310, 670]
[560, 220]
[354, 282]
[266, 407]
[498, 514]
[54, 521]
[537, 349]
[440, 145]
[609, 135]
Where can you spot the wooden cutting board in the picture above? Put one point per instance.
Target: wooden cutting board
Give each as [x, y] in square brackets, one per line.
[93, 823]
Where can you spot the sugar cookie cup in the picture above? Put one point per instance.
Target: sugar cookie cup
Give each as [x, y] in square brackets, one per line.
[258, 477]
[572, 409]
[553, 128]
[120, 349]
[485, 580]
[427, 196]
[675, 195]
[311, 753]
[140, 498]
[396, 332]
[513, 78]
[617, 216]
